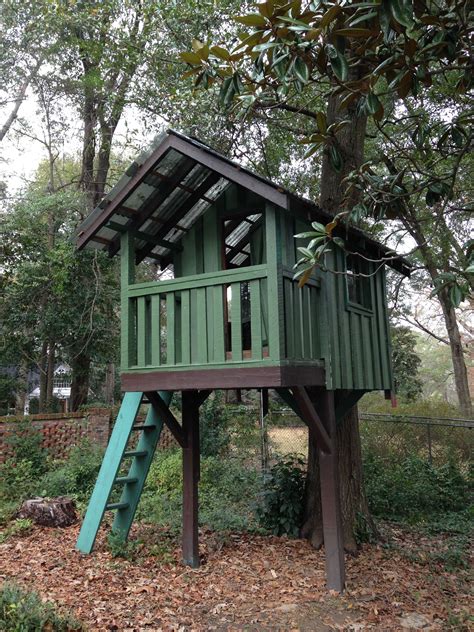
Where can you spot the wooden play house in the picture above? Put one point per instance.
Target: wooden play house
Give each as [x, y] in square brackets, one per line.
[228, 314]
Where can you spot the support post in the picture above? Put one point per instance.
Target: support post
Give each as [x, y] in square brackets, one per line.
[190, 542]
[330, 495]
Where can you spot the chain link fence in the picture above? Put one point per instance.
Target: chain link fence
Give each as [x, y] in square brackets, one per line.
[281, 433]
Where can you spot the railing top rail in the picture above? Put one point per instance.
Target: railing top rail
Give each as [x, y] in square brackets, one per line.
[199, 280]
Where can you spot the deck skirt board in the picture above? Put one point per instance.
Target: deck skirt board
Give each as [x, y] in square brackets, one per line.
[245, 377]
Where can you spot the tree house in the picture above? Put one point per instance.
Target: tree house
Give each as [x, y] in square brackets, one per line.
[230, 315]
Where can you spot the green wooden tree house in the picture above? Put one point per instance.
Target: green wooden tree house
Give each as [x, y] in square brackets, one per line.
[228, 315]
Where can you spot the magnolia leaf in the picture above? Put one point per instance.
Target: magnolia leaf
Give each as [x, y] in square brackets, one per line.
[321, 121]
[350, 32]
[190, 58]
[220, 52]
[330, 227]
[456, 295]
[252, 19]
[304, 278]
[330, 15]
[340, 67]
[339, 242]
[319, 228]
[335, 158]
[301, 70]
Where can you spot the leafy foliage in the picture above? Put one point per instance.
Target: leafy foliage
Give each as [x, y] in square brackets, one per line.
[281, 511]
[406, 363]
[414, 488]
[214, 426]
[21, 611]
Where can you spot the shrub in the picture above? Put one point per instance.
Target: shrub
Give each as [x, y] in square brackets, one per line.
[26, 444]
[22, 611]
[282, 509]
[214, 427]
[228, 493]
[412, 487]
[75, 476]
[18, 480]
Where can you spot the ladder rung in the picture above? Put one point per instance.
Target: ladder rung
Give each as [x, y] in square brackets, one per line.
[117, 506]
[131, 453]
[123, 480]
[144, 427]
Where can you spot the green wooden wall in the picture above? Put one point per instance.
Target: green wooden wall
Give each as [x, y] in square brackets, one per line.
[179, 324]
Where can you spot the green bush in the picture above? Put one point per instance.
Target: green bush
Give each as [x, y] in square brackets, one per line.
[76, 475]
[228, 493]
[22, 611]
[411, 487]
[214, 426]
[26, 444]
[18, 480]
[282, 509]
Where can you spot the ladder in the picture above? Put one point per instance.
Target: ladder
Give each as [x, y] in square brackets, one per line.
[116, 455]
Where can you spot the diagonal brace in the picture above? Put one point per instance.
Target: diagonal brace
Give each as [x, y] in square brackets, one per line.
[170, 420]
[311, 418]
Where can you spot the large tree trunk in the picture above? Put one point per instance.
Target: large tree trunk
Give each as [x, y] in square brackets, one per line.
[80, 380]
[335, 198]
[355, 512]
[50, 376]
[457, 354]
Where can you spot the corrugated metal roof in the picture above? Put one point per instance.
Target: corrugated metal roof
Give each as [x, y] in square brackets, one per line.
[168, 187]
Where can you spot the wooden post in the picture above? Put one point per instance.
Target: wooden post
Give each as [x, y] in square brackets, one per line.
[190, 542]
[330, 496]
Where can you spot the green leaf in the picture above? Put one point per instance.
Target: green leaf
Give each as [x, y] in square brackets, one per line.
[319, 228]
[373, 103]
[335, 158]
[227, 91]
[339, 67]
[456, 295]
[190, 58]
[220, 52]
[402, 12]
[252, 19]
[301, 70]
[339, 242]
[350, 32]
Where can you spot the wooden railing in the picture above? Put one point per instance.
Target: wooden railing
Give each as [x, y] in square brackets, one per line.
[216, 318]
[221, 318]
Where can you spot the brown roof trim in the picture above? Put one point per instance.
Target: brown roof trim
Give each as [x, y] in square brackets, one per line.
[122, 195]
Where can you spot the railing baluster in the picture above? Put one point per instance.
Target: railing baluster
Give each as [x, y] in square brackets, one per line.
[289, 318]
[219, 335]
[141, 332]
[256, 319]
[155, 323]
[170, 329]
[201, 328]
[185, 328]
[236, 323]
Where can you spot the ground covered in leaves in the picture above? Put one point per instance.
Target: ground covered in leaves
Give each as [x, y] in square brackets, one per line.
[245, 582]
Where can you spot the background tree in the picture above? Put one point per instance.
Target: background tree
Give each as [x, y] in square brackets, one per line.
[406, 363]
[368, 60]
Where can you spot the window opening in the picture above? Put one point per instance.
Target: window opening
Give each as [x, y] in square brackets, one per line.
[358, 281]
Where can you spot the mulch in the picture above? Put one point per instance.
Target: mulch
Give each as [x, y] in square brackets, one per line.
[245, 582]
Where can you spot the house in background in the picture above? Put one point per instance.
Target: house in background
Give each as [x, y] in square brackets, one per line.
[61, 389]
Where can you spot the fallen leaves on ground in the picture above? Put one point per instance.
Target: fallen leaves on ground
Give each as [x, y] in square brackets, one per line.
[245, 582]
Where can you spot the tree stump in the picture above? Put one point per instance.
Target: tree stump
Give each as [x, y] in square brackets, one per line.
[49, 512]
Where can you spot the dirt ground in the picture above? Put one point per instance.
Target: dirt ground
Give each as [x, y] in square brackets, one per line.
[245, 582]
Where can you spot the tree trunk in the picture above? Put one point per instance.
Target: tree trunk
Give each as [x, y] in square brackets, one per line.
[80, 380]
[50, 376]
[457, 354]
[43, 378]
[335, 198]
[355, 512]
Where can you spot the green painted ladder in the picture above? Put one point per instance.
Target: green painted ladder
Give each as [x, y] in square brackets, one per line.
[117, 452]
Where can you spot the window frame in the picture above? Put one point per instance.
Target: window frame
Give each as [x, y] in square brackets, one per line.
[365, 289]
